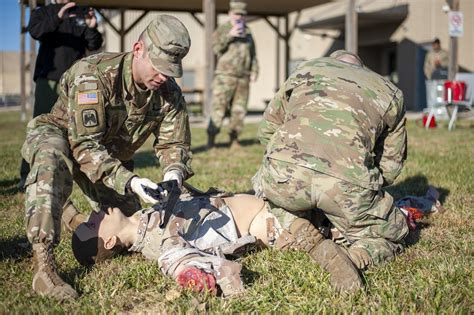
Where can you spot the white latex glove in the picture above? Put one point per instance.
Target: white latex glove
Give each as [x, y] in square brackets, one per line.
[138, 185]
[174, 175]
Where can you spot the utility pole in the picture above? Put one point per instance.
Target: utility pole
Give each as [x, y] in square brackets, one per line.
[453, 46]
[351, 27]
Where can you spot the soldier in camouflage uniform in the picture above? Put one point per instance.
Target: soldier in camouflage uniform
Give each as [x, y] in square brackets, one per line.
[109, 104]
[335, 137]
[236, 66]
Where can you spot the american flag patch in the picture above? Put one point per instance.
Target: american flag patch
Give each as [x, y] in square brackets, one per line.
[87, 98]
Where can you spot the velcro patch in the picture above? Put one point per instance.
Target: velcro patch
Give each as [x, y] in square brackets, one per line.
[87, 98]
[89, 118]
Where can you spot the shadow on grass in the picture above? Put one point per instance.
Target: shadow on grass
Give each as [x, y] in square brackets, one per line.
[16, 248]
[415, 186]
[145, 159]
[249, 276]
[220, 145]
[413, 237]
[9, 187]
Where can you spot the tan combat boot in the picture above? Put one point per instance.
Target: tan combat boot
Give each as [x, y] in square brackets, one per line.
[327, 254]
[71, 218]
[46, 281]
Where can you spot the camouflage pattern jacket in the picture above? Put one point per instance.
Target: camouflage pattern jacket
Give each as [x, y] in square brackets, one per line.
[235, 55]
[197, 229]
[106, 118]
[339, 119]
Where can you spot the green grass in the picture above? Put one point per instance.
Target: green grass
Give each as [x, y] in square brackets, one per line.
[434, 275]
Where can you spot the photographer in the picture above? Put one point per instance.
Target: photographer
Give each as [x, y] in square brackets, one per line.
[237, 65]
[64, 31]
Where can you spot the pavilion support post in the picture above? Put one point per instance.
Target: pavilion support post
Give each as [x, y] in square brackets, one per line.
[122, 30]
[22, 62]
[209, 7]
[287, 46]
[31, 103]
[453, 46]
[351, 27]
[278, 61]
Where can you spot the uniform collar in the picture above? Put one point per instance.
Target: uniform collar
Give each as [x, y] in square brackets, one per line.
[142, 230]
[127, 78]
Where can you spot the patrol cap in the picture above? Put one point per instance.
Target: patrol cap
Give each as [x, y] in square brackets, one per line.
[167, 41]
[238, 7]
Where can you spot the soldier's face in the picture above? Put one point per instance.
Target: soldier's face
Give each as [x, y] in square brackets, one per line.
[144, 74]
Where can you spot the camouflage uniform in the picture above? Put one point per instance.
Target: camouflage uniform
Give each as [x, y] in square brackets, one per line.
[100, 119]
[230, 88]
[335, 135]
[195, 234]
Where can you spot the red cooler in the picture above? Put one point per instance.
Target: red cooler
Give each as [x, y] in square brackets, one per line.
[454, 91]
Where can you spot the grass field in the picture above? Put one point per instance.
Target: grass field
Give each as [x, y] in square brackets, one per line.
[434, 275]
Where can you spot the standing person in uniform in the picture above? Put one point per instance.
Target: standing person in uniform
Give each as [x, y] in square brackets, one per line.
[65, 32]
[335, 137]
[236, 66]
[436, 62]
[109, 104]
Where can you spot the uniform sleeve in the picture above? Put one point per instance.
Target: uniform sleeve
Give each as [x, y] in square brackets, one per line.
[274, 116]
[391, 147]
[428, 67]
[173, 138]
[87, 125]
[221, 39]
[43, 21]
[93, 38]
[176, 255]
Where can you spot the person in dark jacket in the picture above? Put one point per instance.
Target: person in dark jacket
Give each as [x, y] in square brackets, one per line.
[65, 31]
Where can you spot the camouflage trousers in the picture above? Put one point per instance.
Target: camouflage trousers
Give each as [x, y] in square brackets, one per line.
[50, 181]
[228, 92]
[366, 218]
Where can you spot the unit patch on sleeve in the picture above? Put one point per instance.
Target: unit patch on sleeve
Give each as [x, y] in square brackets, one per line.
[89, 118]
[87, 98]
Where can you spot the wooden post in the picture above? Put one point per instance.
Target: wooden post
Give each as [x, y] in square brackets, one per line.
[22, 62]
[453, 46]
[287, 46]
[351, 27]
[122, 30]
[209, 7]
[278, 61]
[31, 103]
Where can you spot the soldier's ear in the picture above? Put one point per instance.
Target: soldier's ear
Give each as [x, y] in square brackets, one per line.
[138, 49]
[110, 242]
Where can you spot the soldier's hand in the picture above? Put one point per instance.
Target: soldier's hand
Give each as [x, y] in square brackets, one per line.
[66, 7]
[138, 185]
[235, 31]
[91, 20]
[174, 175]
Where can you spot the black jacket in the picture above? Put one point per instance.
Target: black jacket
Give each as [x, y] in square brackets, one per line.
[62, 42]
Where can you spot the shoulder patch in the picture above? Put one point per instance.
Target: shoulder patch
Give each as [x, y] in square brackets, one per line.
[87, 98]
[89, 118]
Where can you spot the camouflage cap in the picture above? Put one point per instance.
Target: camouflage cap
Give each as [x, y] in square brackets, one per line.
[167, 41]
[238, 7]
